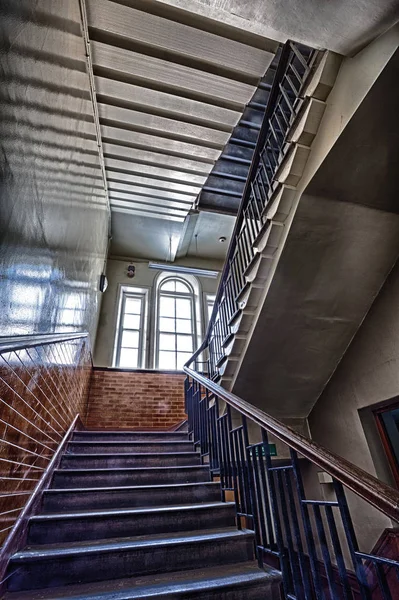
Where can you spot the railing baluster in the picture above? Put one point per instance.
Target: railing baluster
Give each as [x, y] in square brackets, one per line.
[352, 541]
[382, 581]
[307, 527]
[297, 535]
[325, 551]
[266, 488]
[276, 517]
[343, 575]
[292, 554]
[258, 506]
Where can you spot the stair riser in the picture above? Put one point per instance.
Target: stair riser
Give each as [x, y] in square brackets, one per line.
[129, 447]
[250, 591]
[63, 480]
[72, 461]
[70, 501]
[119, 525]
[122, 436]
[127, 563]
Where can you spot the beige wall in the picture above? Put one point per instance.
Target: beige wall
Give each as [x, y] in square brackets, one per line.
[368, 374]
[145, 278]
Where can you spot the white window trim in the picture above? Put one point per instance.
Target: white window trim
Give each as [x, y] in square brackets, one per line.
[143, 294]
[194, 286]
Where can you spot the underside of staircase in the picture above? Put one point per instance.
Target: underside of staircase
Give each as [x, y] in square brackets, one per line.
[136, 515]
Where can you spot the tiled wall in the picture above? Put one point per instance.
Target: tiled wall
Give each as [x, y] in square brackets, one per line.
[42, 388]
[135, 399]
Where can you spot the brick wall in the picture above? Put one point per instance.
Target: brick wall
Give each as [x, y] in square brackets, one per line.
[135, 399]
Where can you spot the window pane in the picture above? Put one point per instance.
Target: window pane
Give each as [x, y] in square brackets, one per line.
[169, 286]
[181, 287]
[167, 341]
[130, 339]
[128, 358]
[182, 358]
[167, 307]
[167, 360]
[185, 343]
[166, 324]
[184, 326]
[133, 305]
[131, 321]
[183, 308]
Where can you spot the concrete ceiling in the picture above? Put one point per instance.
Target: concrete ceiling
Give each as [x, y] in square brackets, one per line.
[209, 228]
[143, 237]
[344, 26]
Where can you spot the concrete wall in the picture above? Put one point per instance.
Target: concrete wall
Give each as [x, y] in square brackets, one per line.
[368, 374]
[53, 211]
[145, 278]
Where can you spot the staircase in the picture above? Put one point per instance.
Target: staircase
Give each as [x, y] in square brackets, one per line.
[136, 515]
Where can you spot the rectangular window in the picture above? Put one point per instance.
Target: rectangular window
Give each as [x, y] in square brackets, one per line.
[131, 330]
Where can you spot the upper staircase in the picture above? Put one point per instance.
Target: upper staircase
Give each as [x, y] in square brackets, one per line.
[136, 515]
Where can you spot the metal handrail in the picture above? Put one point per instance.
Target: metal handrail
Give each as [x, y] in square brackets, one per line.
[375, 492]
[312, 538]
[19, 342]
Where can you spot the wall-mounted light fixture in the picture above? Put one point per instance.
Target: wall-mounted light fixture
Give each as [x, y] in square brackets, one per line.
[187, 270]
[103, 282]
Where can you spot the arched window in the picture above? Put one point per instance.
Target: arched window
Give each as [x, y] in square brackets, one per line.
[176, 322]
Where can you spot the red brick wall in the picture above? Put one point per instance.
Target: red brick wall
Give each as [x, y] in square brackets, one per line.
[135, 399]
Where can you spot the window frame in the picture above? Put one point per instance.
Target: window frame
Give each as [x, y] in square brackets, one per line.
[390, 452]
[141, 294]
[192, 295]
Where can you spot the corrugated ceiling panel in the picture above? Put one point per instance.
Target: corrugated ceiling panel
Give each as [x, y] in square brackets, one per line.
[169, 96]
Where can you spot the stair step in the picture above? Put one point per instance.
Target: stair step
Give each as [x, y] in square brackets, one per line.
[57, 565]
[130, 436]
[80, 526]
[242, 581]
[78, 478]
[129, 496]
[98, 461]
[122, 446]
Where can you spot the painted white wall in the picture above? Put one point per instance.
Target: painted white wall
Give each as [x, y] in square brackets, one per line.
[144, 278]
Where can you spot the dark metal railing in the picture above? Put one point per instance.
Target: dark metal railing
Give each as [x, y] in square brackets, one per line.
[295, 64]
[312, 541]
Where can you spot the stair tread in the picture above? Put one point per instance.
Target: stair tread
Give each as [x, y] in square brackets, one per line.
[142, 469]
[127, 454]
[127, 442]
[46, 551]
[172, 584]
[118, 488]
[131, 433]
[126, 511]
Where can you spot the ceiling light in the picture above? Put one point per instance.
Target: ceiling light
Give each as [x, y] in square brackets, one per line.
[186, 270]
